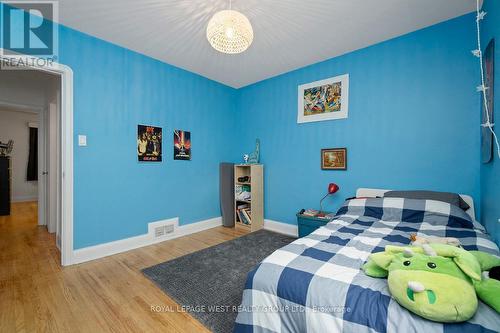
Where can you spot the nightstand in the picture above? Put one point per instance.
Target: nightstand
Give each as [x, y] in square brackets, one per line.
[308, 224]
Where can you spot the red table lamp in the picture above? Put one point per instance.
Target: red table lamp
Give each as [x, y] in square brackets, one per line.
[332, 188]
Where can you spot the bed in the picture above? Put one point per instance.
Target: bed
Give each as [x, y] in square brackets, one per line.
[315, 284]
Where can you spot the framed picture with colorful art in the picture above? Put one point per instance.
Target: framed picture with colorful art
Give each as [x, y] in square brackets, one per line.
[334, 159]
[324, 100]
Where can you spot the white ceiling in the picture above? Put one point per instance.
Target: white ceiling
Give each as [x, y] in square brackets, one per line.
[289, 34]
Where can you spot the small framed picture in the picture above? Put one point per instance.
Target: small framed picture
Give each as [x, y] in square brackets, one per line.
[334, 159]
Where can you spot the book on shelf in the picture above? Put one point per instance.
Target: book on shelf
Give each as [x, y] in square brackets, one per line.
[246, 214]
[243, 217]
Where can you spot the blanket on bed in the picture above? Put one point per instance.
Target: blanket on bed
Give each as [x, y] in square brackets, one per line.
[315, 284]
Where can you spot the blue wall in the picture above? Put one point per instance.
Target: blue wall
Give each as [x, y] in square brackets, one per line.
[413, 122]
[490, 173]
[115, 89]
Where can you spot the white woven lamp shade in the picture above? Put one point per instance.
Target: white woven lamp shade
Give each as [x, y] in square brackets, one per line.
[230, 32]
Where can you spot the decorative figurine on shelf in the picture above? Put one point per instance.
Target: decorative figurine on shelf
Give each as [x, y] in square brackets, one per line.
[253, 158]
[245, 158]
[332, 188]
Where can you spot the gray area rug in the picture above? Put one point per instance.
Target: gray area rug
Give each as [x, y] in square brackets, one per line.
[215, 276]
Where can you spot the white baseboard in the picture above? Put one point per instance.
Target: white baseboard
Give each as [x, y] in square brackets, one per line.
[198, 226]
[127, 244]
[282, 228]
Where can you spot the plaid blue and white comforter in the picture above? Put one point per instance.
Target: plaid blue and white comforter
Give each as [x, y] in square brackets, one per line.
[316, 284]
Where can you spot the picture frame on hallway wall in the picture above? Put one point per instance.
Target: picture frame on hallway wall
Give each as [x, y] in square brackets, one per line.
[334, 159]
[323, 100]
[149, 142]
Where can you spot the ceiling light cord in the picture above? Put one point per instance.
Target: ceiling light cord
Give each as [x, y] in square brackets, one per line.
[482, 88]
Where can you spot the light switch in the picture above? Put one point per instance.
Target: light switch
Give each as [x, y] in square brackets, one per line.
[82, 140]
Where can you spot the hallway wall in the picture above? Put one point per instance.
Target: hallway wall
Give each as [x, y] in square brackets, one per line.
[14, 126]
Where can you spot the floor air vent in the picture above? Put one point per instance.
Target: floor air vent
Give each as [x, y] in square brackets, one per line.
[169, 228]
[164, 230]
[159, 231]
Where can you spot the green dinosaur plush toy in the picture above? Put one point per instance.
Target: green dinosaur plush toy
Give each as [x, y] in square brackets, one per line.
[437, 281]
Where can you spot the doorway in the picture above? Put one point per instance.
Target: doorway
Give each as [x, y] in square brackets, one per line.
[30, 126]
[58, 110]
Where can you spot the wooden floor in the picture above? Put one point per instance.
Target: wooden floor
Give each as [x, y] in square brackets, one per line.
[105, 295]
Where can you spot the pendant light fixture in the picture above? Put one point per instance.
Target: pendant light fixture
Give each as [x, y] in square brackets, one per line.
[229, 31]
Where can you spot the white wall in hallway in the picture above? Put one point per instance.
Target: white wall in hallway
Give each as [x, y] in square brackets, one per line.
[14, 126]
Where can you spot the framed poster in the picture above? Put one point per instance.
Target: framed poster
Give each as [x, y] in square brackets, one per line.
[486, 135]
[324, 100]
[334, 159]
[149, 143]
[182, 145]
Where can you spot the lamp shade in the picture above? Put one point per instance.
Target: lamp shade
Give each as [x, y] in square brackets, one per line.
[230, 32]
[332, 188]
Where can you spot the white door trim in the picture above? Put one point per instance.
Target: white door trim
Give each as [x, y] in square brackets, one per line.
[42, 168]
[53, 155]
[66, 74]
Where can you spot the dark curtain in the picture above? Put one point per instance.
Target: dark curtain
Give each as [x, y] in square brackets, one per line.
[33, 155]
